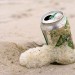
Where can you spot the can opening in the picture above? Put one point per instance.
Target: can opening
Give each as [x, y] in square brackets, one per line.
[52, 17]
[47, 17]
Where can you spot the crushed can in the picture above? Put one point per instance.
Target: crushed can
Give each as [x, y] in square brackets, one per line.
[56, 29]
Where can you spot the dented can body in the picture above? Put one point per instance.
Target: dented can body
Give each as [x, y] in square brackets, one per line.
[56, 29]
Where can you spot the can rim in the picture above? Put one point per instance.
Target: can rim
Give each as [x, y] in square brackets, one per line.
[47, 14]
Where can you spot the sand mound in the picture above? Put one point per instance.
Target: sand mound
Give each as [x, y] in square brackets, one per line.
[40, 56]
[19, 24]
[9, 53]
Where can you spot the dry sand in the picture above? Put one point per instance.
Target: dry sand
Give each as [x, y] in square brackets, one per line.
[20, 30]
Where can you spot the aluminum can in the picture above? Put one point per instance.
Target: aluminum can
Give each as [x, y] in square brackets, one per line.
[56, 29]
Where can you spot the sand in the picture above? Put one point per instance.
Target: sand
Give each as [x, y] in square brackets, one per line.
[20, 30]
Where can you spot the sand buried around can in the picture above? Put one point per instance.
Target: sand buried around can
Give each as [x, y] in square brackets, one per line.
[40, 56]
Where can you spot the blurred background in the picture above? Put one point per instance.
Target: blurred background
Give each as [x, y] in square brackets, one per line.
[19, 24]
[20, 19]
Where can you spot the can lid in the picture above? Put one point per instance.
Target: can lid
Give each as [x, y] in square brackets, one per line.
[52, 17]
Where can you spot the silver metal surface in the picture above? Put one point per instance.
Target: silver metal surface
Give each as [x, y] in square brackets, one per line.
[58, 20]
[56, 29]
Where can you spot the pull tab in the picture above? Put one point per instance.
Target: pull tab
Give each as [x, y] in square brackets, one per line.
[52, 16]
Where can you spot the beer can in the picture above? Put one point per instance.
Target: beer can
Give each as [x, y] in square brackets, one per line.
[56, 29]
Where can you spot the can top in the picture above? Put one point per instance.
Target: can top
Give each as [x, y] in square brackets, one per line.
[52, 17]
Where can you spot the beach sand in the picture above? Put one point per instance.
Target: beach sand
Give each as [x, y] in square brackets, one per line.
[20, 30]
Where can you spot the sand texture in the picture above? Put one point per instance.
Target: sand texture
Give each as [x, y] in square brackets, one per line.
[20, 30]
